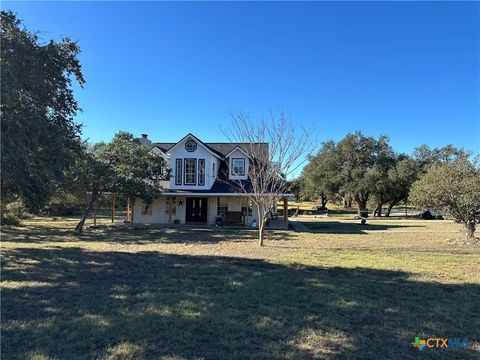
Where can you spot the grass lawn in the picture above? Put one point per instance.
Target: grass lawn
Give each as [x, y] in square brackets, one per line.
[335, 291]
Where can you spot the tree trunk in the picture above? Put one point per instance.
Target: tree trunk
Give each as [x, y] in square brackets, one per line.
[86, 212]
[378, 210]
[361, 201]
[347, 201]
[261, 228]
[2, 212]
[389, 209]
[324, 201]
[470, 231]
[261, 224]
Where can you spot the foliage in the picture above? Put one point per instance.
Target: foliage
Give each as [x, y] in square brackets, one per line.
[368, 169]
[394, 184]
[13, 212]
[295, 186]
[64, 203]
[123, 166]
[354, 166]
[454, 188]
[38, 133]
[321, 181]
[424, 156]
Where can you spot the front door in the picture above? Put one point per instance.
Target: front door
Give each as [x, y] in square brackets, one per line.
[196, 209]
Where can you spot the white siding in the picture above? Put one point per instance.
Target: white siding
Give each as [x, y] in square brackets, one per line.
[159, 211]
[212, 210]
[200, 153]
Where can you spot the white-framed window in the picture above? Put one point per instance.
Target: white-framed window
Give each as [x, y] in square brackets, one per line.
[222, 207]
[178, 172]
[190, 172]
[201, 171]
[238, 167]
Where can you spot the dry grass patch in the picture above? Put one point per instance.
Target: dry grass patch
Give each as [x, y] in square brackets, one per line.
[334, 292]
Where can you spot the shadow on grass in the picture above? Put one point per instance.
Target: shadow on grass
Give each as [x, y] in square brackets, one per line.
[71, 303]
[337, 227]
[139, 236]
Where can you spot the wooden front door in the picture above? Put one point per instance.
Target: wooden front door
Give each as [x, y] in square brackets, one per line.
[196, 209]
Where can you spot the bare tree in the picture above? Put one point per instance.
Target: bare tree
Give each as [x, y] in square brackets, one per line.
[276, 149]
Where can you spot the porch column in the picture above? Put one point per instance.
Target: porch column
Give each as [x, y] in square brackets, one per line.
[285, 211]
[208, 211]
[169, 208]
[132, 207]
[128, 209]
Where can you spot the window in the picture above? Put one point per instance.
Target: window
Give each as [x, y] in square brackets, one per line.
[190, 146]
[222, 207]
[213, 169]
[178, 172]
[201, 171]
[190, 171]
[246, 210]
[147, 209]
[238, 167]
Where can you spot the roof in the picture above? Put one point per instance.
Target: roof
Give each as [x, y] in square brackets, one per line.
[222, 149]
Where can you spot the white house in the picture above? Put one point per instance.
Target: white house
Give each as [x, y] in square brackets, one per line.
[202, 186]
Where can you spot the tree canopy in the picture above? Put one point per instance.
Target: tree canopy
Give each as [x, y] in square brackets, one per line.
[354, 165]
[38, 134]
[453, 188]
[367, 169]
[122, 166]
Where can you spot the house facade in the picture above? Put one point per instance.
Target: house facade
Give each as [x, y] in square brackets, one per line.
[203, 187]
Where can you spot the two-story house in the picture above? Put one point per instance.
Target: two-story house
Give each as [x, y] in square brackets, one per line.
[203, 187]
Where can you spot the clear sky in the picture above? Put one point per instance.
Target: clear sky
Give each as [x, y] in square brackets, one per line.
[410, 70]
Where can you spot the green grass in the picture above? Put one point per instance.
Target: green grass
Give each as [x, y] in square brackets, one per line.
[337, 291]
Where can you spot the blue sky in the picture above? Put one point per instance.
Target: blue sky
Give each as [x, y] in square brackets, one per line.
[410, 70]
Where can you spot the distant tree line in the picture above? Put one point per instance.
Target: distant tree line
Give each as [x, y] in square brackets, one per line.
[361, 169]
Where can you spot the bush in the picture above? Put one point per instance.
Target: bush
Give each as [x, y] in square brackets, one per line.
[11, 220]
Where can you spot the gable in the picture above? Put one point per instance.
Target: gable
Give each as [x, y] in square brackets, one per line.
[190, 143]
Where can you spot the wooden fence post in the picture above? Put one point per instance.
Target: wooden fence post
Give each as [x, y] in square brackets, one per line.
[113, 207]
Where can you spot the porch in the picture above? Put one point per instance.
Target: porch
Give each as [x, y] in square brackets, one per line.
[230, 211]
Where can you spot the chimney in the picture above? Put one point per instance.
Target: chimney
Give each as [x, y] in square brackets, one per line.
[144, 140]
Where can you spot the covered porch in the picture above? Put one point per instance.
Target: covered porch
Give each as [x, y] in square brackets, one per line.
[228, 210]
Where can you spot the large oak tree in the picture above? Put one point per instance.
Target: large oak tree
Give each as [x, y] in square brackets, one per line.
[38, 134]
[354, 166]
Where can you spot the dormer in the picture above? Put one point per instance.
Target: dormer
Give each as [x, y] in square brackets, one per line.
[238, 164]
[194, 165]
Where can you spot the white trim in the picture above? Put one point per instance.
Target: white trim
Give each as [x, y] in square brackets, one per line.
[160, 152]
[215, 194]
[198, 141]
[238, 148]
